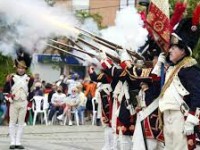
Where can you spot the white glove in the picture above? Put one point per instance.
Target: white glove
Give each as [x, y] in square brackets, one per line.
[190, 122]
[161, 58]
[157, 68]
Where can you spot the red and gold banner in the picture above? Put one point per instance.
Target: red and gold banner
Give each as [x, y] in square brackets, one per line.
[158, 23]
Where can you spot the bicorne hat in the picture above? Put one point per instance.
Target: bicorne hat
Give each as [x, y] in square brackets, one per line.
[185, 35]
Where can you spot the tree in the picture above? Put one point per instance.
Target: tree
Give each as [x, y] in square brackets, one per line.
[6, 65]
[82, 15]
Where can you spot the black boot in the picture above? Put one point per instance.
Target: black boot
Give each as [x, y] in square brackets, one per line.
[12, 147]
[19, 147]
[98, 122]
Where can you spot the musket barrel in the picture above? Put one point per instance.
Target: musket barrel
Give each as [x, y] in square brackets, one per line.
[100, 38]
[109, 44]
[74, 48]
[115, 59]
[52, 46]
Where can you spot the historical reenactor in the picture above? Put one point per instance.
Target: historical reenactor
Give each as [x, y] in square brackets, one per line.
[153, 134]
[146, 89]
[123, 111]
[179, 98]
[105, 103]
[18, 86]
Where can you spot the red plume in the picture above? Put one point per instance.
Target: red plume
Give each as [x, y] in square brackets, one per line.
[178, 13]
[196, 15]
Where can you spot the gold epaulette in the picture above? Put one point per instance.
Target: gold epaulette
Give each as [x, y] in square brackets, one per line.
[100, 76]
[134, 76]
[146, 72]
[190, 62]
[186, 62]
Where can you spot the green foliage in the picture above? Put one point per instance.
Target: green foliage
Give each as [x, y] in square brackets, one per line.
[6, 67]
[82, 15]
[196, 52]
[191, 4]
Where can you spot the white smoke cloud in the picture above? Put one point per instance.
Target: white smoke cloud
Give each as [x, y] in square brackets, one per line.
[30, 22]
[128, 31]
[90, 25]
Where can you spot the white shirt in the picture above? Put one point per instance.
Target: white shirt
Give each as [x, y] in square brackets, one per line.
[58, 97]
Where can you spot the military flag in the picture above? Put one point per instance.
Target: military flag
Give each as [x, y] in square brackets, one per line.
[158, 22]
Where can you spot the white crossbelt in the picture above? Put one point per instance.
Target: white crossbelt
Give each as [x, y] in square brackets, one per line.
[148, 110]
[183, 106]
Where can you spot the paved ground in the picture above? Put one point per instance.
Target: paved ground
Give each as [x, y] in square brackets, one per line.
[56, 137]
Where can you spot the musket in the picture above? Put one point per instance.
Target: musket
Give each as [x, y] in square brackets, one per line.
[74, 43]
[99, 38]
[60, 49]
[115, 59]
[74, 48]
[109, 44]
[100, 42]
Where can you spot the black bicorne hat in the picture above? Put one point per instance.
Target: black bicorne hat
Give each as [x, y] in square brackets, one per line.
[185, 35]
[23, 58]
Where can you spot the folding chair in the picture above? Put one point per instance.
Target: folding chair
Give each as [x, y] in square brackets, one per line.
[94, 112]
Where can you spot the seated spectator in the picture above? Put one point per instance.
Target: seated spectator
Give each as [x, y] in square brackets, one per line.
[53, 90]
[72, 102]
[38, 91]
[82, 105]
[58, 102]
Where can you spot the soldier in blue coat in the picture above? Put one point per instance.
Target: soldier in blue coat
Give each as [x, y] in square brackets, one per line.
[179, 99]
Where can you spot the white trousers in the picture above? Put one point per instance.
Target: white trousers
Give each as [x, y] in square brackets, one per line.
[109, 139]
[154, 144]
[17, 114]
[123, 142]
[173, 130]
